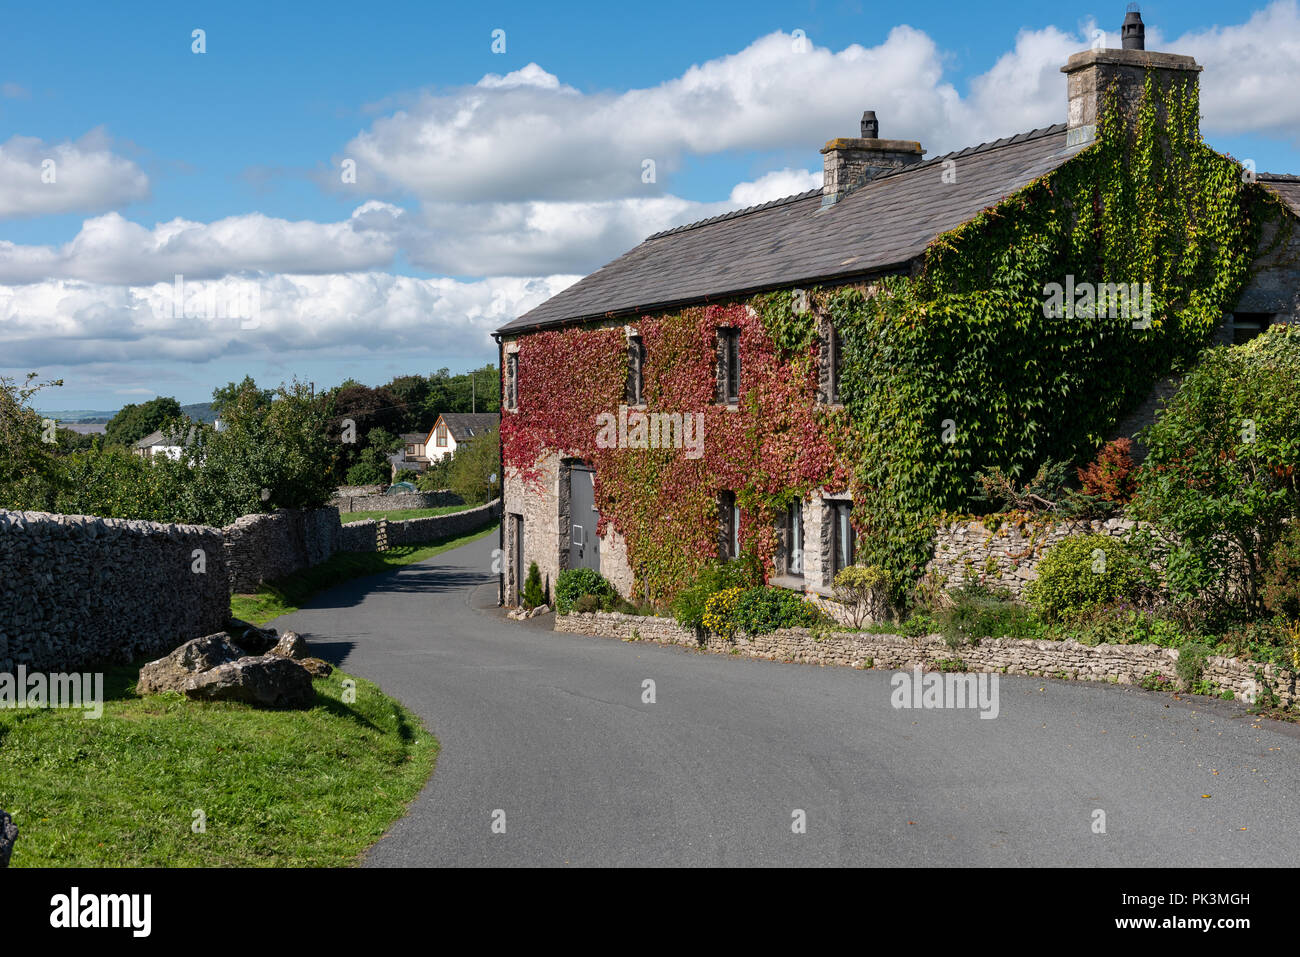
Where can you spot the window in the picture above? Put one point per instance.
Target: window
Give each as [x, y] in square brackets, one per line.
[441, 435]
[512, 381]
[843, 538]
[728, 526]
[791, 538]
[635, 392]
[831, 351]
[1247, 325]
[729, 366]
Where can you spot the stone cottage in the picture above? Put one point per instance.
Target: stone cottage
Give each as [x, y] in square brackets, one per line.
[881, 207]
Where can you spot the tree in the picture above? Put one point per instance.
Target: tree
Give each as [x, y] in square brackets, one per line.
[224, 395]
[1222, 476]
[133, 422]
[29, 473]
[475, 467]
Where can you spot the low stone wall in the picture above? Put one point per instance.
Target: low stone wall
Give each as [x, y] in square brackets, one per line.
[265, 547]
[1006, 556]
[78, 591]
[1122, 664]
[407, 500]
[371, 535]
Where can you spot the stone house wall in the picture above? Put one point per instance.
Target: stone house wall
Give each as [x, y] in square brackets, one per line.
[1006, 556]
[77, 591]
[1121, 664]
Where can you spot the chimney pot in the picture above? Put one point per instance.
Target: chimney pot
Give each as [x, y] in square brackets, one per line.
[870, 125]
[1133, 34]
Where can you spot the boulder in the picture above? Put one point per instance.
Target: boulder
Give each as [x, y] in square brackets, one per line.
[8, 834]
[290, 645]
[268, 681]
[196, 656]
[254, 640]
[316, 667]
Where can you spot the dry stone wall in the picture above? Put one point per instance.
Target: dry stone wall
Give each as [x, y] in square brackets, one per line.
[1121, 664]
[77, 591]
[261, 548]
[383, 503]
[1006, 555]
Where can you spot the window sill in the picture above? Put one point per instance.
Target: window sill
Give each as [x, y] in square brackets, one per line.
[790, 582]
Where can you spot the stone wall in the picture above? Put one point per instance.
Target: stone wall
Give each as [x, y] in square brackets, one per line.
[1006, 556]
[1121, 664]
[77, 591]
[388, 503]
[268, 546]
[414, 531]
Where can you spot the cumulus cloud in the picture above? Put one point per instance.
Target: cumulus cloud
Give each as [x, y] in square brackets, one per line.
[76, 323]
[112, 249]
[39, 179]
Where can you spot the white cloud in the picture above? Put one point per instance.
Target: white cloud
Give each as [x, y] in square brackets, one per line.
[74, 323]
[775, 185]
[40, 179]
[112, 249]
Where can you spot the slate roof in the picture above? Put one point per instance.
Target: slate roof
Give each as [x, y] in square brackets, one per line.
[468, 425]
[1285, 186]
[879, 227]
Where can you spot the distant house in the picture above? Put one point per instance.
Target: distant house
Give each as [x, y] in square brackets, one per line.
[411, 457]
[455, 428]
[158, 443]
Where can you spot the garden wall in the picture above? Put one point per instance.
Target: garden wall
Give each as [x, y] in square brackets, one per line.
[1006, 555]
[1122, 664]
[382, 503]
[372, 535]
[268, 546]
[77, 591]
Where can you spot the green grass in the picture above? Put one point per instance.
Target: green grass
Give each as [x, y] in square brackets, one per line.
[274, 599]
[399, 514]
[279, 788]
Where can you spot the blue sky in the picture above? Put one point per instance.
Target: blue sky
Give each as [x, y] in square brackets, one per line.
[476, 198]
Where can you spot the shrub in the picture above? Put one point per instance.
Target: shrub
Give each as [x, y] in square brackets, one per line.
[1110, 476]
[689, 605]
[533, 594]
[977, 613]
[1222, 477]
[863, 590]
[761, 610]
[719, 611]
[1282, 578]
[1081, 572]
[584, 604]
[574, 583]
[1191, 663]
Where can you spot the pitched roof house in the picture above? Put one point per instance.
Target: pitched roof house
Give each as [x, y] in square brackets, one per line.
[878, 214]
[455, 428]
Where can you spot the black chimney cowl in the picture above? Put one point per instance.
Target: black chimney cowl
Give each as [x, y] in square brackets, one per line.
[870, 127]
[1133, 34]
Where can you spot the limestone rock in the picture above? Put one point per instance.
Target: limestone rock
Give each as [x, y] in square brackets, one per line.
[268, 681]
[290, 645]
[8, 834]
[196, 656]
[316, 667]
[254, 640]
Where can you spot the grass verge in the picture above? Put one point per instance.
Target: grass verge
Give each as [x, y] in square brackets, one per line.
[288, 594]
[400, 514]
[307, 788]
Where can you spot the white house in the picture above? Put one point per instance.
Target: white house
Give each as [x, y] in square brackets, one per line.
[455, 428]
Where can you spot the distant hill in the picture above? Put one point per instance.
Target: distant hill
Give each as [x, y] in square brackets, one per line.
[199, 411]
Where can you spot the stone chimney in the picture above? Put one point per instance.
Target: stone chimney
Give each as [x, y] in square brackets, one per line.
[1092, 73]
[852, 161]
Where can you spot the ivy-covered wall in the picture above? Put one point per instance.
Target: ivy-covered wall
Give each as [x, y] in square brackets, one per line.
[945, 371]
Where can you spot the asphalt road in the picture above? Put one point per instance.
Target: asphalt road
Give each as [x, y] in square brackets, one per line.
[551, 729]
